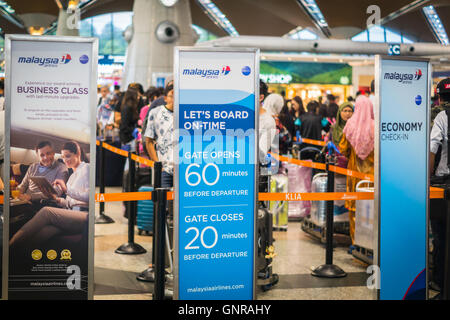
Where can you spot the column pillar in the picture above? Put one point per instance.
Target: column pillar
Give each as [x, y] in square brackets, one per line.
[157, 29]
[68, 22]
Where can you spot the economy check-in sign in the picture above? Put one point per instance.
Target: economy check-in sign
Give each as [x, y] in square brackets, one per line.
[401, 176]
[215, 173]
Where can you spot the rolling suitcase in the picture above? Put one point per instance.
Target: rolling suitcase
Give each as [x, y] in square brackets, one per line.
[364, 216]
[143, 177]
[319, 208]
[299, 180]
[279, 209]
[145, 213]
[265, 250]
[266, 279]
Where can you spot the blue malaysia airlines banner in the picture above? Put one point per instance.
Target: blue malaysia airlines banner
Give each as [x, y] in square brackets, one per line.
[403, 178]
[215, 174]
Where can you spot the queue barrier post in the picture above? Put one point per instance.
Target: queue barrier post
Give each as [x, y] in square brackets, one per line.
[102, 218]
[131, 247]
[148, 275]
[157, 183]
[329, 270]
[159, 197]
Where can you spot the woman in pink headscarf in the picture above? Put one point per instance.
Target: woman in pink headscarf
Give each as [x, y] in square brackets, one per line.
[357, 145]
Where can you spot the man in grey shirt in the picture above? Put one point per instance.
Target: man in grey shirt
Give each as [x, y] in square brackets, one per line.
[47, 167]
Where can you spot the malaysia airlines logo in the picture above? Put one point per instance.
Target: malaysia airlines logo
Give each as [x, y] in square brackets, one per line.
[46, 61]
[207, 73]
[84, 59]
[418, 74]
[66, 58]
[246, 70]
[405, 78]
[226, 70]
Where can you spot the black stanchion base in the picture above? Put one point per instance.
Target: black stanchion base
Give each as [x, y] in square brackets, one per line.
[168, 295]
[148, 275]
[103, 219]
[328, 271]
[130, 248]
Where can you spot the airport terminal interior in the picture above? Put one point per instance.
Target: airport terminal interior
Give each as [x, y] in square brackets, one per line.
[350, 183]
[297, 254]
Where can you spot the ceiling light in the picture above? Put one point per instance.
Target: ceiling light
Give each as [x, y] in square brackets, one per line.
[168, 3]
[313, 10]
[36, 31]
[435, 24]
[73, 4]
[213, 12]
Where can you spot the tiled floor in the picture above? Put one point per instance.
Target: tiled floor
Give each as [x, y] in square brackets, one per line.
[115, 274]
[297, 252]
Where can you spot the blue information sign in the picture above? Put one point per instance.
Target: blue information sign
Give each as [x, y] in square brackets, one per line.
[215, 173]
[402, 170]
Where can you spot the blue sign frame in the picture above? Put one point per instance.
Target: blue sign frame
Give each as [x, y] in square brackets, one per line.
[216, 92]
[402, 133]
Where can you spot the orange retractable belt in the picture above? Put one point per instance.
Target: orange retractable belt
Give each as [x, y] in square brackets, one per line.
[294, 196]
[435, 193]
[127, 196]
[322, 166]
[115, 150]
[124, 153]
[304, 163]
[142, 160]
[316, 196]
[314, 142]
[351, 173]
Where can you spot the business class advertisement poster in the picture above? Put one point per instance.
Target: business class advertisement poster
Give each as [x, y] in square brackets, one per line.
[215, 176]
[51, 88]
[403, 161]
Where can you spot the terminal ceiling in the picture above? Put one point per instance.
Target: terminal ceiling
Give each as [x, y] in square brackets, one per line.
[345, 18]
